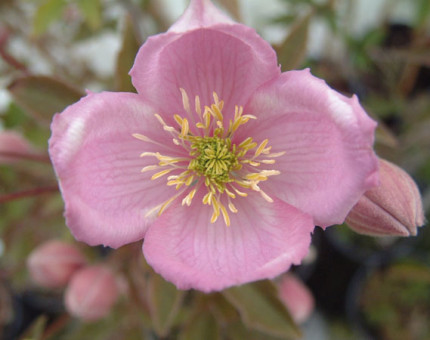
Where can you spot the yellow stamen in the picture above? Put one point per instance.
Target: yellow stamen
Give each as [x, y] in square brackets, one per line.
[232, 207]
[216, 210]
[149, 168]
[167, 203]
[160, 174]
[178, 119]
[266, 196]
[185, 101]
[268, 161]
[141, 137]
[225, 215]
[187, 200]
[185, 127]
[261, 147]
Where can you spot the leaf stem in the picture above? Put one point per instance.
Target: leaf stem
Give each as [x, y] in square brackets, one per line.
[26, 156]
[28, 193]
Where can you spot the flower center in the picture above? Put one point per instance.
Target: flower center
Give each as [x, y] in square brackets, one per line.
[214, 159]
[223, 167]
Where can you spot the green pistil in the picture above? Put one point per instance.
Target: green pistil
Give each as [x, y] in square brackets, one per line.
[214, 158]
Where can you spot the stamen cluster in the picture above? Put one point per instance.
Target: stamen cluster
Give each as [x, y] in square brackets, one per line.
[213, 160]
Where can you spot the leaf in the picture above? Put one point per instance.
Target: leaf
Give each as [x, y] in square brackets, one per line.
[238, 331]
[423, 13]
[91, 10]
[35, 331]
[164, 301]
[261, 309]
[292, 51]
[43, 96]
[126, 56]
[203, 326]
[384, 136]
[14, 116]
[222, 310]
[47, 12]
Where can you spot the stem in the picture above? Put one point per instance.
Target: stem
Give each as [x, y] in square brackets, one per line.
[27, 193]
[4, 37]
[26, 156]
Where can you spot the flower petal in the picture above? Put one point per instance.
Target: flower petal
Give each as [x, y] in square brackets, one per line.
[200, 13]
[97, 162]
[327, 138]
[231, 60]
[263, 240]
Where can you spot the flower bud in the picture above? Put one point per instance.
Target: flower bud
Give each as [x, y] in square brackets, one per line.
[91, 293]
[53, 263]
[12, 145]
[394, 208]
[297, 297]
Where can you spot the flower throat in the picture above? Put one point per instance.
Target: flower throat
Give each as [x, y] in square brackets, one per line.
[226, 169]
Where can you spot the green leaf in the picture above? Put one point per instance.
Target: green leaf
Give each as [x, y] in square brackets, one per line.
[384, 136]
[13, 117]
[261, 309]
[203, 326]
[47, 12]
[35, 331]
[164, 301]
[423, 12]
[43, 96]
[238, 331]
[91, 10]
[223, 311]
[126, 56]
[292, 51]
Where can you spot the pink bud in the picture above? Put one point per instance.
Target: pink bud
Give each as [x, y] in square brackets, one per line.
[12, 145]
[53, 263]
[297, 297]
[394, 208]
[91, 293]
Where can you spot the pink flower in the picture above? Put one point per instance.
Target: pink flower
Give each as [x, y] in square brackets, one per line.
[53, 263]
[238, 161]
[91, 293]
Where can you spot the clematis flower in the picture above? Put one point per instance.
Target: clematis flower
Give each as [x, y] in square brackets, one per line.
[222, 164]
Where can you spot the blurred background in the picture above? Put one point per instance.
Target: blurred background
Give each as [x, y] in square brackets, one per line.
[51, 51]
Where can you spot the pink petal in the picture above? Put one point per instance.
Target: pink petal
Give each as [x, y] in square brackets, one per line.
[97, 162]
[200, 13]
[263, 240]
[329, 161]
[231, 60]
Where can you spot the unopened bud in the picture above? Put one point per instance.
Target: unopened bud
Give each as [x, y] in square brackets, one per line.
[91, 293]
[53, 263]
[394, 208]
[296, 297]
[12, 145]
